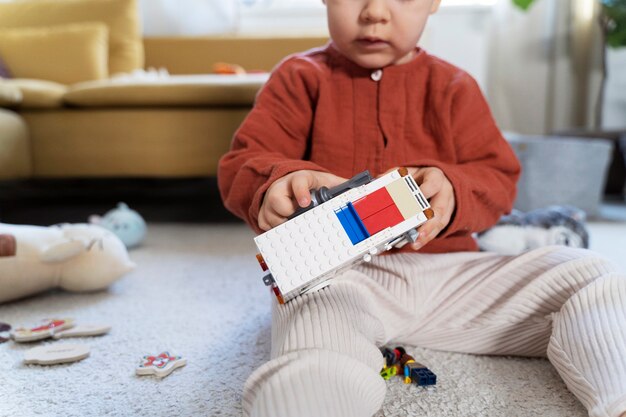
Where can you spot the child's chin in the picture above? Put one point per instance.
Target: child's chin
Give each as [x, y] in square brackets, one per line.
[373, 62]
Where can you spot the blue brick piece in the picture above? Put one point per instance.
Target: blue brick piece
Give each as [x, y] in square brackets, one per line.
[352, 224]
[423, 376]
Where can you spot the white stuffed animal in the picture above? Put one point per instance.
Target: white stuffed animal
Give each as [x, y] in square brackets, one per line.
[75, 257]
[519, 231]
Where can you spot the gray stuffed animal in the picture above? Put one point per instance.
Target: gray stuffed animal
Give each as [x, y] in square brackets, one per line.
[519, 231]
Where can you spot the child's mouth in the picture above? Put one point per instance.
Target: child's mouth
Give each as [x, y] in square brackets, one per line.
[372, 43]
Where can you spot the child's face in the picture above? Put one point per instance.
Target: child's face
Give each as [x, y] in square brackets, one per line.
[377, 33]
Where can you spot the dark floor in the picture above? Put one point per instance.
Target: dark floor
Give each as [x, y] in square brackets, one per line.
[73, 201]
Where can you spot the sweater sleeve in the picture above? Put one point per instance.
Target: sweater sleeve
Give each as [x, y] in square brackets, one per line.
[486, 170]
[272, 141]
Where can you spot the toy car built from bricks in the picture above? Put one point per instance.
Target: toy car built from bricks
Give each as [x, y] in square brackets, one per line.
[343, 226]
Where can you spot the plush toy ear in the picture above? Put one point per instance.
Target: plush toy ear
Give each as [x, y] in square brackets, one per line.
[105, 261]
[64, 250]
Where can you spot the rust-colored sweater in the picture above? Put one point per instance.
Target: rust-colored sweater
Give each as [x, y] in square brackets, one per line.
[321, 111]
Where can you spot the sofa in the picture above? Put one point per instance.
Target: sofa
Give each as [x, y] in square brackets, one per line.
[85, 96]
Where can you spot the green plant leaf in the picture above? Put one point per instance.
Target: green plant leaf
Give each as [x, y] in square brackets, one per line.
[615, 22]
[523, 4]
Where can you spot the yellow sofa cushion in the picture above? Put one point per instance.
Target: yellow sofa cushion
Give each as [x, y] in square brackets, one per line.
[120, 16]
[10, 95]
[65, 54]
[38, 94]
[192, 90]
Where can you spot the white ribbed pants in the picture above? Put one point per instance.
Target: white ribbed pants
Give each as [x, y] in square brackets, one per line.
[565, 303]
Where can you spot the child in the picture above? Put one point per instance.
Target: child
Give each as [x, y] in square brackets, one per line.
[372, 100]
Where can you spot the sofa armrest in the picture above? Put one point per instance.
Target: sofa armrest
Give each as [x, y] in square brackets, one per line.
[33, 94]
[10, 95]
[197, 55]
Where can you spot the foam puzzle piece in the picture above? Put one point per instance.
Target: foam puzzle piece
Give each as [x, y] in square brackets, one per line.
[160, 365]
[83, 330]
[42, 331]
[4, 332]
[56, 354]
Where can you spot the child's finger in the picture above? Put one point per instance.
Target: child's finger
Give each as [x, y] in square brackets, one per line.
[279, 201]
[282, 207]
[262, 221]
[430, 184]
[329, 180]
[268, 218]
[271, 219]
[427, 232]
[443, 206]
[387, 172]
[274, 219]
[301, 185]
[412, 171]
[275, 209]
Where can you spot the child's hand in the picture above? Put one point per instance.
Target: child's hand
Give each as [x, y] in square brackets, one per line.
[284, 196]
[440, 193]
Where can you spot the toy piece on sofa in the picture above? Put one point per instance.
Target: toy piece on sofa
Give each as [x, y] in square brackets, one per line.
[56, 354]
[343, 226]
[4, 332]
[225, 68]
[519, 231]
[126, 223]
[160, 365]
[41, 331]
[74, 257]
[142, 75]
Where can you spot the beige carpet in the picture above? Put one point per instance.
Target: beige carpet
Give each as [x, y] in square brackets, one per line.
[197, 292]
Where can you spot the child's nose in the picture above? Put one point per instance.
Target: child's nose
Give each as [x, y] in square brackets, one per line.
[375, 11]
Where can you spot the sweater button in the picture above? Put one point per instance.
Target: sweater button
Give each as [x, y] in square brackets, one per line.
[377, 75]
